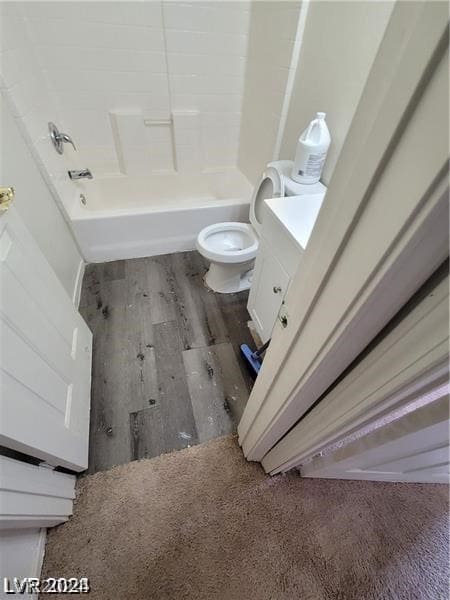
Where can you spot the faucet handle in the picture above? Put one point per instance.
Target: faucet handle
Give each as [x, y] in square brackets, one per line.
[58, 138]
[67, 139]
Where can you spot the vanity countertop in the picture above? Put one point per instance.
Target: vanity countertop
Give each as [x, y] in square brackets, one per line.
[297, 214]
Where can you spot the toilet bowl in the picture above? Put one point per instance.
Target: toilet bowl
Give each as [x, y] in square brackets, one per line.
[231, 248]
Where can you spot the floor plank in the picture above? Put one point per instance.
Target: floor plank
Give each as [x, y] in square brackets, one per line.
[138, 338]
[174, 401]
[217, 390]
[114, 271]
[109, 414]
[147, 433]
[153, 276]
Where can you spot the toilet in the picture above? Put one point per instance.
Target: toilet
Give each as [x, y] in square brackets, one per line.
[231, 248]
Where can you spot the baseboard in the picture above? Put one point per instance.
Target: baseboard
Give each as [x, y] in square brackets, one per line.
[78, 284]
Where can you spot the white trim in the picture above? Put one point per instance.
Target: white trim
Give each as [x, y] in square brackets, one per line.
[411, 448]
[361, 266]
[76, 296]
[409, 362]
[21, 555]
[32, 496]
[39, 556]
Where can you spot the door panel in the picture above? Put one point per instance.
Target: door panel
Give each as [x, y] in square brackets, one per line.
[45, 355]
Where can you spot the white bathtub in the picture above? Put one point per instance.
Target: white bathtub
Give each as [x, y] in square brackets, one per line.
[129, 217]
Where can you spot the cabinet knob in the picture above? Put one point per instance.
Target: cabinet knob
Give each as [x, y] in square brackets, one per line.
[276, 289]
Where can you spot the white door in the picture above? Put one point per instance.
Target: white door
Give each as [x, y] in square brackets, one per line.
[45, 354]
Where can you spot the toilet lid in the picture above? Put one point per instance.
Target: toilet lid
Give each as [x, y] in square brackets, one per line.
[271, 185]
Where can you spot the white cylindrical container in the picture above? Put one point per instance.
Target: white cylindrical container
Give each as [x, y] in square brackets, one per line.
[312, 151]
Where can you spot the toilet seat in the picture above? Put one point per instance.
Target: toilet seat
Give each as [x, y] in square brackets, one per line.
[271, 185]
[228, 242]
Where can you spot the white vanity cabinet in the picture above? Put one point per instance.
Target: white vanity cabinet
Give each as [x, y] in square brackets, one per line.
[286, 227]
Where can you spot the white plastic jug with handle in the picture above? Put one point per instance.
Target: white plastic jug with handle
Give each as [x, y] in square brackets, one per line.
[312, 151]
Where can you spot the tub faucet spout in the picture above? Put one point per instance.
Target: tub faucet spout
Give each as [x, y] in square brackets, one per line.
[80, 174]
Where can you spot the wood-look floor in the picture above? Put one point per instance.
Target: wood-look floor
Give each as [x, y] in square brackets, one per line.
[167, 372]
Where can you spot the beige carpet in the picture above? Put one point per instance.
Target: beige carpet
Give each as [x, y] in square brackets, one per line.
[204, 524]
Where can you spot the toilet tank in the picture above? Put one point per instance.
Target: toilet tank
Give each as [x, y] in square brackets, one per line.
[292, 188]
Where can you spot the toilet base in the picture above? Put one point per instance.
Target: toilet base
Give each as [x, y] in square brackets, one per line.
[229, 278]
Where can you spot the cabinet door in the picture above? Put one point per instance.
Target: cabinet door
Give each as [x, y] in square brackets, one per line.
[270, 282]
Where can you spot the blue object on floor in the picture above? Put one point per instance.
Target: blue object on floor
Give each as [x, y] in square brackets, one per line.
[253, 358]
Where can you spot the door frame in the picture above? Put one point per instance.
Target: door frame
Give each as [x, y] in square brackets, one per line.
[410, 362]
[412, 448]
[360, 267]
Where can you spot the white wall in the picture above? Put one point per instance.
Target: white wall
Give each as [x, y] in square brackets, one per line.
[35, 202]
[272, 33]
[340, 43]
[153, 57]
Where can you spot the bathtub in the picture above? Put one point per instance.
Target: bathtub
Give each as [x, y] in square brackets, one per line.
[130, 217]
